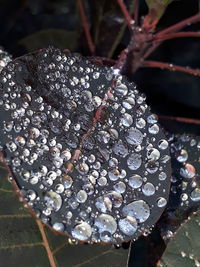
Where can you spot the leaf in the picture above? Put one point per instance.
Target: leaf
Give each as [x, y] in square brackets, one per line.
[108, 26]
[184, 249]
[59, 38]
[158, 7]
[26, 242]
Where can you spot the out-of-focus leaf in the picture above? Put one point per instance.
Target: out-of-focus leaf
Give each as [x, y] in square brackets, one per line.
[21, 242]
[56, 37]
[158, 6]
[184, 249]
[107, 23]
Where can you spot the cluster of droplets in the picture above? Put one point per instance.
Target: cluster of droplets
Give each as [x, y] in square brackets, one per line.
[4, 58]
[185, 183]
[186, 169]
[85, 150]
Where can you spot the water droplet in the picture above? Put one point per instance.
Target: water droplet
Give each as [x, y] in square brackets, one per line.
[138, 209]
[135, 181]
[134, 161]
[81, 196]
[106, 222]
[182, 156]
[148, 189]
[126, 119]
[58, 226]
[53, 200]
[195, 195]
[128, 225]
[134, 136]
[161, 202]
[153, 154]
[188, 171]
[120, 150]
[82, 231]
[121, 89]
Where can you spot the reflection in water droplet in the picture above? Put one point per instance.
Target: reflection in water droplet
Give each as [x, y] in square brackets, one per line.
[161, 202]
[182, 156]
[121, 89]
[195, 195]
[126, 120]
[163, 144]
[128, 225]
[153, 154]
[82, 231]
[53, 200]
[134, 136]
[58, 226]
[120, 150]
[188, 171]
[134, 161]
[106, 222]
[148, 189]
[135, 181]
[138, 209]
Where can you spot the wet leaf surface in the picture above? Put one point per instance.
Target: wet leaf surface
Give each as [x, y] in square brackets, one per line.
[184, 249]
[21, 243]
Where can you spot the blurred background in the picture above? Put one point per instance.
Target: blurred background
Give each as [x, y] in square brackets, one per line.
[27, 25]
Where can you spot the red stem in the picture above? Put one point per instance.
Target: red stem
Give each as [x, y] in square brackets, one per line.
[180, 119]
[126, 13]
[176, 35]
[136, 11]
[162, 65]
[178, 26]
[86, 27]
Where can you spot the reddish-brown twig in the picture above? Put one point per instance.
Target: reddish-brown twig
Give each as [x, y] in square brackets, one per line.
[180, 119]
[175, 35]
[180, 25]
[136, 11]
[86, 27]
[172, 67]
[126, 14]
[46, 243]
[172, 29]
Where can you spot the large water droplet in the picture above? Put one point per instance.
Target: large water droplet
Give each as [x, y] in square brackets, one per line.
[128, 225]
[126, 119]
[182, 156]
[134, 161]
[106, 222]
[134, 136]
[188, 171]
[53, 200]
[195, 195]
[148, 189]
[82, 231]
[120, 150]
[135, 181]
[138, 209]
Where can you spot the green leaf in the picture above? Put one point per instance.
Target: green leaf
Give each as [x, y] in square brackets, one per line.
[184, 249]
[59, 38]
[25, 241]
[158, 6]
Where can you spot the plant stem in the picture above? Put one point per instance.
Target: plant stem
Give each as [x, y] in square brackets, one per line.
[86, 27]
[180, 119]
[178, 26]
[46, 243]
[136, 11]
[126, 13]
[162, 65]
[175, 35]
